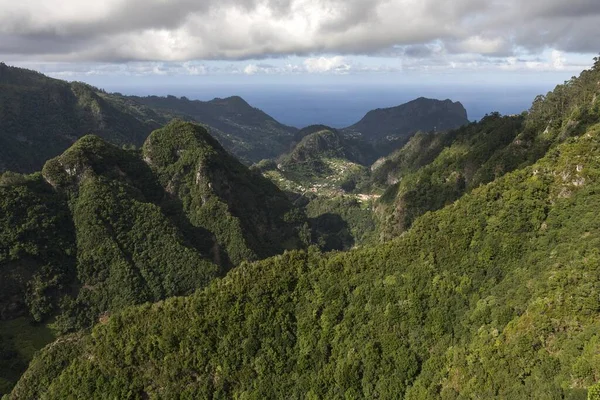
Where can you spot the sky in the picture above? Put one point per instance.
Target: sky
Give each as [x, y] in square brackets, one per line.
[123, 43]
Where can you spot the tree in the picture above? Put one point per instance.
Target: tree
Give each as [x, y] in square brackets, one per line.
[594, 391]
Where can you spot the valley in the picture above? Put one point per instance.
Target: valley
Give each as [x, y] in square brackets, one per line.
[159, 247]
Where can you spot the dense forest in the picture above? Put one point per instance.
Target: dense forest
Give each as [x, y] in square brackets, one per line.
[174, 271]
[102, 228]
[493, 296]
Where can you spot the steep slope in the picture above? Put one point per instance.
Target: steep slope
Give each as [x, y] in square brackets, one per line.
[401, 122]
[85, 240]
[420, 150]
[37, 247]
[492, 296]
[249, 215]
[324, 160]
[245, 131]
[129, 250]
[460, 161]
[481, 152]
[325, 142]
[102, 228]
[328, 167]
[40, 117]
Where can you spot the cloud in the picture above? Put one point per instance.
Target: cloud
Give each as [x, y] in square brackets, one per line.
[336, 64]
[558, 60]
[251, 69]
[481, 45]
[183, 30]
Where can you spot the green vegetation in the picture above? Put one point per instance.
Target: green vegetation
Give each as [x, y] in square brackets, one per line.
[323, 142]
[245, 131]
[250, 217]
[485, 286]
[40, 117]
[594, 392]
[38, 247]
[128, 250]
[20, 339]
[103, 228]
[481, 152]
[322, 173]
[341, 222]
[493, 296]
[462, 160]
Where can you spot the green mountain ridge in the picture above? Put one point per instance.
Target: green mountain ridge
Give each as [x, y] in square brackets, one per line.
[327, 142]
[220, 194]
[489, 291]
[474, 275]
[480, 152]
[327, 167]
[245, 131]
[102, 228]
[471, 301]
[41, 117]
[320, 173]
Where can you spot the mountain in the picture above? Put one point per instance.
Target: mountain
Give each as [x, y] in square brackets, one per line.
[321, 141]
[322, 160]
[483, 284]
[480, 152]
[245, 131]
[102, 228]
[435, 169]
[401, 122]
[249, 215]
[328, 167]
[491, 296]
[40, 117]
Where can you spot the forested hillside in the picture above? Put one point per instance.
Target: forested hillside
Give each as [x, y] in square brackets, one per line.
[249, 215]
[488, 290]
[328, 169]
[41, 117]
[436, 169]
[492, 296]
[102, 228]
[245, 131]
[321, 173]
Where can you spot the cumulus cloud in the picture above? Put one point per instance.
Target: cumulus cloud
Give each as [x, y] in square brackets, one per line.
[558, 60]
[182, 30]
[251, 69]
[326, 64]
